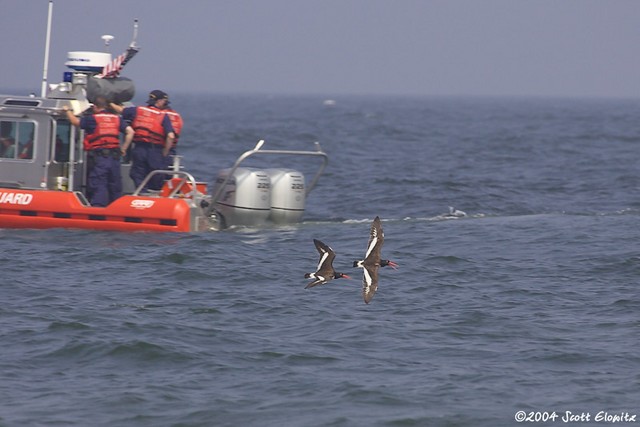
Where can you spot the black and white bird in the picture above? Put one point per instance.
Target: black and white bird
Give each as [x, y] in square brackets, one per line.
[372, 262]
[325, 272]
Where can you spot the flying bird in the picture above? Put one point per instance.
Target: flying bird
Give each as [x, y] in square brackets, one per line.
[372, 262]
[325, 272]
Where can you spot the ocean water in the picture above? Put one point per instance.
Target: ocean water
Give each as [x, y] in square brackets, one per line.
[529, 303]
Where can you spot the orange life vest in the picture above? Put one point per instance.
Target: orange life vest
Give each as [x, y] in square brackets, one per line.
[176, 122]
[27, 150]
[106, 133]
[147, 125]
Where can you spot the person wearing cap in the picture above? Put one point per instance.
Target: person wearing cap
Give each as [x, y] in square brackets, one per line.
[152, 138]
[102, 131]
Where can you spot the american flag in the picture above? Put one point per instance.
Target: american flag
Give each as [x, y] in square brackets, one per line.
[113, 68]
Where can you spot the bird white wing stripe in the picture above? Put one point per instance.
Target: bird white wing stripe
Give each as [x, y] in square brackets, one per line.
[372, 244]
[366, 283]
[322, 260]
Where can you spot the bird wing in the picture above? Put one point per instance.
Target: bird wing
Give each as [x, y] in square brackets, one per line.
[371, 263]
[319, 281]
[326, 257]
[321, 247]
[376, 238]
[369, 282]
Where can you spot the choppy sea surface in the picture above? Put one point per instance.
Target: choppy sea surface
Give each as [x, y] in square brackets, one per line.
[530, 302]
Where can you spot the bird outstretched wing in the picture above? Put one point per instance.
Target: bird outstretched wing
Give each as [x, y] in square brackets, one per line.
[324, 272]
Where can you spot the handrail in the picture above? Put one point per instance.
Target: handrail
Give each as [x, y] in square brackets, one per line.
[258, 150]
[186, 176]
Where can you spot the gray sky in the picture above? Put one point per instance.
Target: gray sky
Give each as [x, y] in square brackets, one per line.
[422, 47]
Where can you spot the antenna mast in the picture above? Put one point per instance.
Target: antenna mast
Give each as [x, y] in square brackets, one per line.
[46, 51]
[135, 34]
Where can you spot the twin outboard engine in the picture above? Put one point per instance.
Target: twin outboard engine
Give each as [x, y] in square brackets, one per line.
[287, 195]
[254, 196]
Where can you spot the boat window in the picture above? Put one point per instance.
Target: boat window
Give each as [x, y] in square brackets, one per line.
[16, 139]
[63, 139]
[22, 102]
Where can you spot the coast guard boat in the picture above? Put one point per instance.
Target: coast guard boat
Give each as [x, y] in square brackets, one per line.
[43, 167]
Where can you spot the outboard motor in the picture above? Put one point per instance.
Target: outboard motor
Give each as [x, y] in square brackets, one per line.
[287, 195]
[246, 199]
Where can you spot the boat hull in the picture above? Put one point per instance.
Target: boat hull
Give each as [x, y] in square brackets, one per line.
[20, 208]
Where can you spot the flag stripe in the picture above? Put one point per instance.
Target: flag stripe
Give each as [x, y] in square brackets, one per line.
[113, 68]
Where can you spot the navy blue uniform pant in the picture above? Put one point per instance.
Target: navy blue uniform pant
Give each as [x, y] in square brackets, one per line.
[146, 158]
[104, 182]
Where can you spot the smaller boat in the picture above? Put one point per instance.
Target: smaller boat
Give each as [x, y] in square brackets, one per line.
[43, 169]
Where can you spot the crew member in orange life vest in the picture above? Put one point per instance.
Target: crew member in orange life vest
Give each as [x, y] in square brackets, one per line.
[102, 142]
[152, 139]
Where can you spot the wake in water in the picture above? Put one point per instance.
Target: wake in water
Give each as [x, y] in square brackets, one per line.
[453, 214]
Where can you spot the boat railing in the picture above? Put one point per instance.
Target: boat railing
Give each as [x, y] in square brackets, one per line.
[185, 177]
[258, 150]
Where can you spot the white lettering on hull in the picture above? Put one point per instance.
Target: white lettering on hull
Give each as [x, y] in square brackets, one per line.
[141, 204]
[15, 198]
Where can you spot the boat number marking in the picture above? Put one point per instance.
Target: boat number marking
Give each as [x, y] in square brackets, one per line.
[16, 198]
